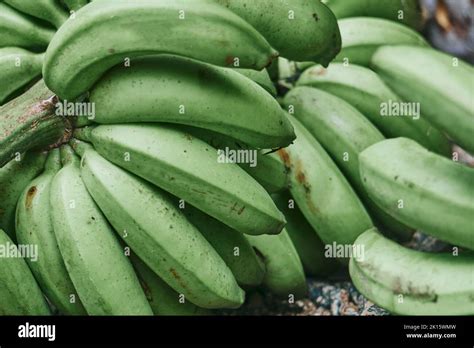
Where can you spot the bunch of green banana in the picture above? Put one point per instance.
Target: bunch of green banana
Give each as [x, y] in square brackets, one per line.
[361, 36]
[34, 226]
[48, 10]
[179, 90]
[410, 282]
[365, 90]
[421, 189]
[102, 35]
[99, 269]
[440, 83]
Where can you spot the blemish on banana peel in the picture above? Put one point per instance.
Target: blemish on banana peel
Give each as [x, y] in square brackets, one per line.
[178, 278]
[29, 196]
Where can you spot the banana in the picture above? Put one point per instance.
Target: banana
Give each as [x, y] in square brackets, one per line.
[102, 35]
[309, 246]
[231, 245]
[14, 177]
[99, 270]
[18, 67]
[321, 191]
[180, 90]
[18, 30]
[407, 12]
[365, 90]
[162, 298]
[421, 189]
[440, 83]
[262, 78]
[19, 292]
[361, 36]
[34, 227]
[48, 10]
[299, 30]
[284, 272]
[188, 168]
[410, 282]
[74, 5]
[344, 133]
[163, 238]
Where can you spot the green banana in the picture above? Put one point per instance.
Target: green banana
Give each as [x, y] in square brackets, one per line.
[18, 30]
[407, 12]
[231, 245]
[411, 282]
[299, 30]
[19, 292]
[262, 78]
[322, 192]
[14, 177]
[162, 298]
[18, 67]
[34, 227]
[361, 36]
[421, 189]
[362, 88]
[48, 10]
[99, 270]
[188, 168]
[344, 133]
[441, 83]
[284, 272]
[74, 5]
[163, 238]
[102, 35]
[309, 246]
[180, 90]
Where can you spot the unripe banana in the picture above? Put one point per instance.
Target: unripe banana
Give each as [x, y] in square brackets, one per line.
[35, 227]
[362, 88]
[344, 133]
[361, 36]
[102, 35]
[284, 272]
[421, 189]
[180, 90]
[49, 10]
[163, 238]
[18, 67]
[410, 282]
[322, 192]
[260, 77]
[99, 270]
[442, 84]
[14, 177]
[19, 292]
[74, 5]
[299, 30]
[188, 168]
[18, 30]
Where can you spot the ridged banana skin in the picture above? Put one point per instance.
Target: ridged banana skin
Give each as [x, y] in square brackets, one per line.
[179, 90]
[410, 282]
[437, 193]
[49, 10]
[102, 35]
[246, 267]
[366, 91]
[18, 30]
[262, 78]
[14, 177]
[362, 36]
[162, 298]
[100, 271]
[18, 67]
[342, 131]
[284, 272]
[163, 238]
[322, 192]
[74, 5]
[19, 292]
[306, 241]
[299, 30]
[431, 78]
[34, 227]
[188, 168]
